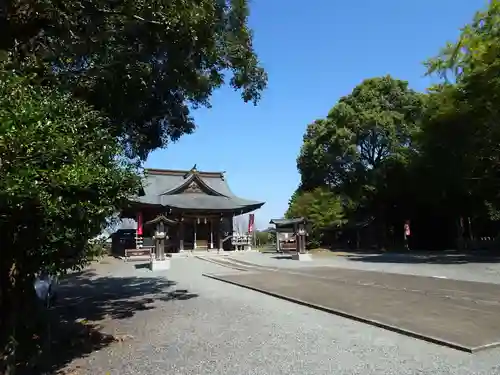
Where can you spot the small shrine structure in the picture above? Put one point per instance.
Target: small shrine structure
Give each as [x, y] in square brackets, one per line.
[296, 227]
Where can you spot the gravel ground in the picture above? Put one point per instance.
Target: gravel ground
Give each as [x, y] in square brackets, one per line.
[451, 266]
[230, 330]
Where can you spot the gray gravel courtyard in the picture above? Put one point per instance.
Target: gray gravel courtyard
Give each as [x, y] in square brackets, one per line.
[224, 329]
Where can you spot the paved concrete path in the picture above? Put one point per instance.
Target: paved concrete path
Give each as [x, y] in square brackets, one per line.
[459, 314]
[477, 270]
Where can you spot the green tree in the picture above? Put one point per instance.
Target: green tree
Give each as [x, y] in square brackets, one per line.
[143, 63]
[457, 165]
[312, 162]
[373, 124]
[469, 112]
[62, 174]
[262, 238]
[366, 136]
[322, 209]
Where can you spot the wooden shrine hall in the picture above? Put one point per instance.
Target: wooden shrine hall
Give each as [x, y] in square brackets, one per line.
[200, 208]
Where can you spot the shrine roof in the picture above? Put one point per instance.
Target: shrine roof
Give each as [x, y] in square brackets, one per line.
[192, 190]
[280, 223]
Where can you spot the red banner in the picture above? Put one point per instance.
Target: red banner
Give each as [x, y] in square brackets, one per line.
[251, 222]
[139, 223]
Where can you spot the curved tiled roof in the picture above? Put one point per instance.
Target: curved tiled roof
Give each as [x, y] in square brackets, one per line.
[204, 201]
[166, 188]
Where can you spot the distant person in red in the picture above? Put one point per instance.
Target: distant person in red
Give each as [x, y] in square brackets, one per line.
[407, 234]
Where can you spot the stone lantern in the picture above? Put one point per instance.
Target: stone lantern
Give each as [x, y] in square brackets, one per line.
[300, 238]
[300, 233]
[159, 260]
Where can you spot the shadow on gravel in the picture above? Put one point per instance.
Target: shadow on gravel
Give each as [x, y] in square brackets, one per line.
[438, 258]
[281, 257]
[141, 266]
[86, 302]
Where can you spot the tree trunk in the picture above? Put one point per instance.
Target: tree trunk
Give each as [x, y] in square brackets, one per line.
[471, 235]
[8, 321]
[18, 317]
[461, 232]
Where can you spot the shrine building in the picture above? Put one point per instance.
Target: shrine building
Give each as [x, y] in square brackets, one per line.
[200, 207]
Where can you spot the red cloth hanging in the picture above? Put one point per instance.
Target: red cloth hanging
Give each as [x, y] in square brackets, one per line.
[251, 223]
[139, 223]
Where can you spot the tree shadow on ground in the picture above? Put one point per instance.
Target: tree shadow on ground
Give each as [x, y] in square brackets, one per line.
[430, 258]
[86, 304]
[142, 266]
[342, 250]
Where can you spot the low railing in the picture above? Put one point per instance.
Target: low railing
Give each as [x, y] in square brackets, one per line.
[288, 246]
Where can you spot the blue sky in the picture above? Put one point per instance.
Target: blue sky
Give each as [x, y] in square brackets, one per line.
[314, 52]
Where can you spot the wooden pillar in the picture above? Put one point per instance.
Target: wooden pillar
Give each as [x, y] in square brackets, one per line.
[277, 240]
[297, 238]
[221, 234]
[181, 235]
[211, 233]
[195, 229]
[231, 229]
[206, 225]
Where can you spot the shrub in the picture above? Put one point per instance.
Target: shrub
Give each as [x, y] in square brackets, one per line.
[61, 176]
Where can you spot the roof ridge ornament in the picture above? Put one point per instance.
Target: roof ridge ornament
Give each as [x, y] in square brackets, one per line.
[192, 171]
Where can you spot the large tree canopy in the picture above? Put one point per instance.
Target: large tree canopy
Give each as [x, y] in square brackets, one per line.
[430, 158]
[143, 63]
[468, 110]
[371, 126]
[363, 152]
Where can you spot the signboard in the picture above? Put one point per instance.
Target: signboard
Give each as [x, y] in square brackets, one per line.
[241, 239]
